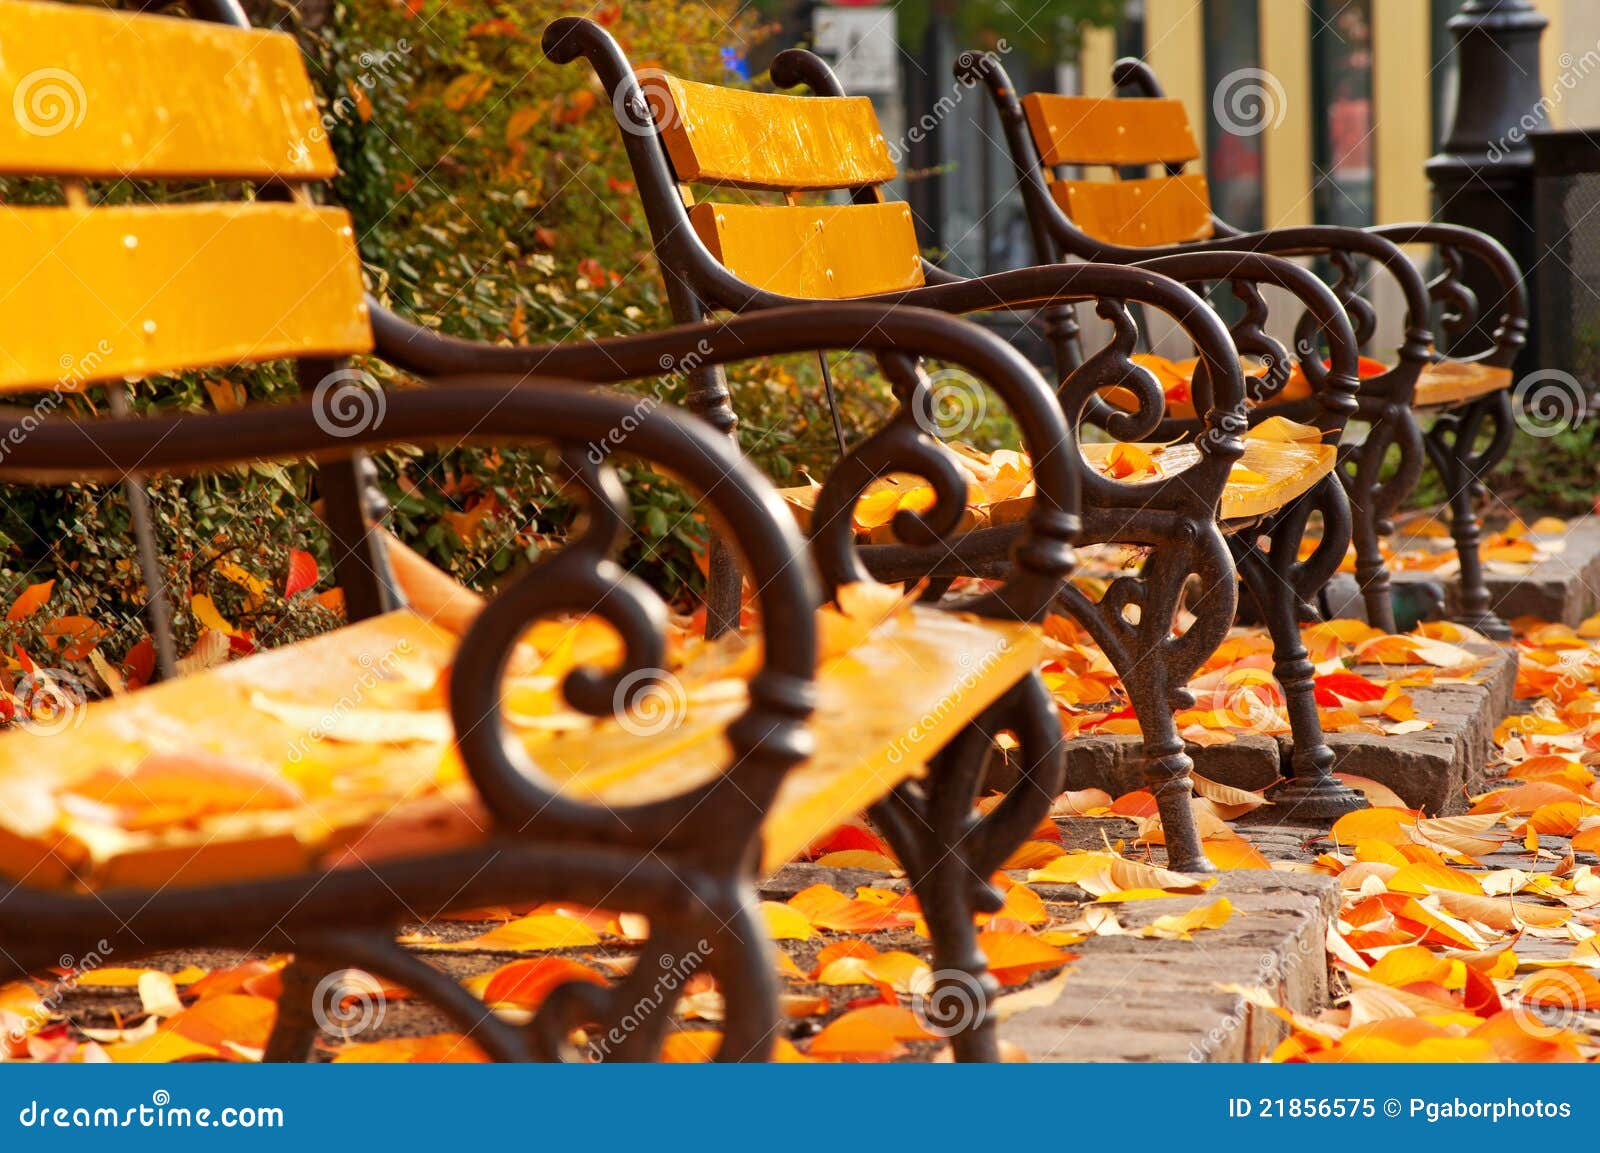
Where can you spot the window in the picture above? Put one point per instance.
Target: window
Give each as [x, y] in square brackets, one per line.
[1341, 77]
[1234, 142]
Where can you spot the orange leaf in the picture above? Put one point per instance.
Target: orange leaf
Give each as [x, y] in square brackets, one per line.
[1410, 965]
[236, 1017]
[303, 573]
[1386, 825]
[873, 1033]
[527, 983]
[785, 923]
[538, 931]
[1423, 877]
[1567, 987]
[73, 637]
[1560, 819]
[1234, 853]
[1013, 956]
[30, 601]
[438, 1049]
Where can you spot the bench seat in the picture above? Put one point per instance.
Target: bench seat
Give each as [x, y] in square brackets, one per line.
[1441, 384]
[222, 775]
[1282, 460]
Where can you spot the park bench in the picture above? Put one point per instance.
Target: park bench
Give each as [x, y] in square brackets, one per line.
[1134, 215]
[309, 798]
[696, 149]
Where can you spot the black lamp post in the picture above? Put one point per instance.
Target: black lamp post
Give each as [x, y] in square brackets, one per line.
[1483, 174]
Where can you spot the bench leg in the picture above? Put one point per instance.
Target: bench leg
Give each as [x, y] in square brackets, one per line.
[1452, 446]
[295, 1029]
[1374, 499]
[1132, 623]
[950, 854]
[1283, 587]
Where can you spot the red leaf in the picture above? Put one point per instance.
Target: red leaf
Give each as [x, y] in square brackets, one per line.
[303, 573]
[1350, 686]
[139, 663]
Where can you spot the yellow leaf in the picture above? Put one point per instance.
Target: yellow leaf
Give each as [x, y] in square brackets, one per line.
[1181, 926]
[1424, 877]
[537, 931]
[205, 611]
[858, 859]
[785, 922]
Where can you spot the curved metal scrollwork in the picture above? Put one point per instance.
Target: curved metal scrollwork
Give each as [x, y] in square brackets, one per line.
[1250, 336]
[1113, 367]
[1458, 303]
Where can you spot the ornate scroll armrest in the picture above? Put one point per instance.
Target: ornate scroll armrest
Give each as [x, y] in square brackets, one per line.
[1460, 304]
[1336, 383]
[768, 738]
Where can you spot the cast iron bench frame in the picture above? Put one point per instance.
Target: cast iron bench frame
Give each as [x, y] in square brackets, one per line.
[1386, 401]
[1178, 519]
[654, 855]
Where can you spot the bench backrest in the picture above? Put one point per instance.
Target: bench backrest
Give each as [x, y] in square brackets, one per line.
[103, 292]
[1117, 133]
[730, 138]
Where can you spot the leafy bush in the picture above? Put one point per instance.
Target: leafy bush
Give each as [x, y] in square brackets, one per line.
[493, 200]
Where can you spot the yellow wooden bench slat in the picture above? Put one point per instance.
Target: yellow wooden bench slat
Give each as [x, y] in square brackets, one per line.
[1287, 458]
[1448, 382]
[765, 140]
[1454, 381]
[139, 290]
[1122, 131]
[95, 93]
[883, 708]
[1290, 468]
[1138, 213]
[821, 252]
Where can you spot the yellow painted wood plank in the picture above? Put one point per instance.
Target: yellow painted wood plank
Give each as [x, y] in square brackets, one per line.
[1287, 173]
[1558, 49]
[96, 93]
[1097, 53]
[105, 293]
[1452, 382]
[717, 135]
[1403, 97]
[1175, 48]
[1271, 473]
[1138, 213]
[338, 739]
[47, 840]
[1125, 131]
[883, 709]
[822, 252]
